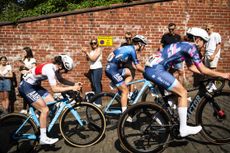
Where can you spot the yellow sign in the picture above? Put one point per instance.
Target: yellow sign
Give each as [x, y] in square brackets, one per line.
[105, 40]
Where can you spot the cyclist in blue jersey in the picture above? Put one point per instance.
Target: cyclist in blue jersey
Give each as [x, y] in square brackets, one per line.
[156, 70]
[115, 70]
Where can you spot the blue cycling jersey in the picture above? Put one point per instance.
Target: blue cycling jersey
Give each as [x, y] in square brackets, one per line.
[123, 54]
[176, 53]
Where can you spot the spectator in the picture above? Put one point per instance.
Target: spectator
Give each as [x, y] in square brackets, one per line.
[5, 84]
[12, 93]
[95, 57]
[129, 64]
[167, 39]
[212, 52]
[28, 62]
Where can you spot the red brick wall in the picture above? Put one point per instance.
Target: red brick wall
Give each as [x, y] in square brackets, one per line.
[68, 34]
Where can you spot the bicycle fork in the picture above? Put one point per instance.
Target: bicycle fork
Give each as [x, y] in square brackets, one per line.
[218, 112]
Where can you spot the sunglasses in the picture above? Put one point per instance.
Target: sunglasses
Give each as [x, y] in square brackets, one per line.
[93, 43]
[171, 29]
[128, 38]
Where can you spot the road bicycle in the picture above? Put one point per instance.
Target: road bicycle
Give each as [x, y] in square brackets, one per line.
[81, 124]
[111, 105]
[155, 125]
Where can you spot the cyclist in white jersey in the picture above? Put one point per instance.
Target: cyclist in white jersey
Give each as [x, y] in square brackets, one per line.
[31, 90]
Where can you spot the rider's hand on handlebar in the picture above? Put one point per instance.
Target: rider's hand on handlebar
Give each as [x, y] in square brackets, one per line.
[226, 76]
[78, 86]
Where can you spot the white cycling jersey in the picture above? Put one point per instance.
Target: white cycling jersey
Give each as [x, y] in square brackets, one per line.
[41, 72]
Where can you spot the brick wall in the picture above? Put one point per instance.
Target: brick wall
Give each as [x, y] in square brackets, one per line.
[69, 33]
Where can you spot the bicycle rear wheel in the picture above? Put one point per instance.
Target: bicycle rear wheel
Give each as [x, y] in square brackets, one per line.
[90, 132]
[111, 118]
[213, 114]
[149, 130]
[24, 140]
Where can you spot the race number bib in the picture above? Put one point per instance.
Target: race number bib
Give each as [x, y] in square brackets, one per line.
[153, 60]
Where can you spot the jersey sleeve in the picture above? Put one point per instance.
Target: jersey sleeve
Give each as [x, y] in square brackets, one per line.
[195, 56]
[49, 71]
[134, 57]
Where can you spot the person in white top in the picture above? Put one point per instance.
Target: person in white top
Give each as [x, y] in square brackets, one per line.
[31, 90]
[213, 48]
[28, 62]
[5, 83]
[212, 52]
[95, 58]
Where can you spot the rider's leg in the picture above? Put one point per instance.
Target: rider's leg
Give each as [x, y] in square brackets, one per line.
[124, 96]
[40, 105]
[128, 78]
[185, 130]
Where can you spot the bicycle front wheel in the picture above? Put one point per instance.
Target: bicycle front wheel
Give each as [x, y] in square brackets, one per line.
[144, 128]
[111, 116]
[90, 132]
[213, 114]
[14, 139]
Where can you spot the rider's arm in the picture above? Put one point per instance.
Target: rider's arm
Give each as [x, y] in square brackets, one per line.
[50, 73]
[63, 80]
[204, 70]
[139, 68]
[56, 88]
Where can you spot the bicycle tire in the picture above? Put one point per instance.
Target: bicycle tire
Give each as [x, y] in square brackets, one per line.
[93, 128]
[111, 119]
[213, 115]
[8, 125]
[149, 130]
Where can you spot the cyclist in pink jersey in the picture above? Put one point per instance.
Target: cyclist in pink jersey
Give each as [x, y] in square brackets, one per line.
[31, 90]
[156, 70]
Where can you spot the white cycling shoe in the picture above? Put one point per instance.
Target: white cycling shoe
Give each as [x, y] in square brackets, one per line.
[190, 130]
[48, 141]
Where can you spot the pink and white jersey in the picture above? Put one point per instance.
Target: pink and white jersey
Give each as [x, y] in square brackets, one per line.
[41, 72]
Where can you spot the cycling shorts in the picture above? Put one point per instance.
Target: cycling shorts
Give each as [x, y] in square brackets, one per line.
[115, 74]
[160, 76]
[31, 93]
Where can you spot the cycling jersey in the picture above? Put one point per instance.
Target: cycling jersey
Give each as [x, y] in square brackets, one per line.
[176, 53]
[116, 60]
[123, 54]
[41, 72]
[157, 65]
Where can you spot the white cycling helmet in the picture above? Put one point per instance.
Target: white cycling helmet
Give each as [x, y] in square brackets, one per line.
[67, 62]
[140, 38]
[198, 32]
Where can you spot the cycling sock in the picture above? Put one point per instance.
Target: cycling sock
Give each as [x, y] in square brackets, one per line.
[123, 109]
[42, 133]
[186, 130]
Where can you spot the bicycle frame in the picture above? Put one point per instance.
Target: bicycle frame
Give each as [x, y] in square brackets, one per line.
[202, 92]
[64, 104]
[117, 111]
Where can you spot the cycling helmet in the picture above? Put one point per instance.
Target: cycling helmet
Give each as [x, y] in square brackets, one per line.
[67, 62]
[140, 38]
[198, 32]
